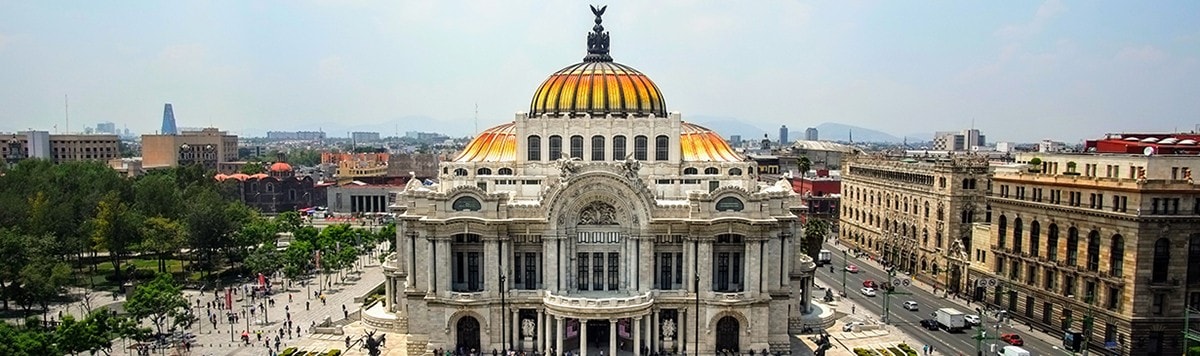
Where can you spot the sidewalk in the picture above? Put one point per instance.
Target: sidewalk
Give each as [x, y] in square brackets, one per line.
[217, 342]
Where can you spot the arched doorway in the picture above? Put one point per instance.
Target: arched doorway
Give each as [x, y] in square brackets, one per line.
[727, 334]
[955, 278]
[467, 332]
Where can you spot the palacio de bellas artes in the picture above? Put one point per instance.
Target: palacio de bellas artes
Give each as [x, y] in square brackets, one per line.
[597, 222]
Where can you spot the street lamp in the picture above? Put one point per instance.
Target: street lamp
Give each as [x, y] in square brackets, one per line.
[845, 265]
[503, 316]
[696, 337]
[1087, 323]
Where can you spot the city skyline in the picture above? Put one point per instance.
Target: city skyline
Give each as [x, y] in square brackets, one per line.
[1021, 72]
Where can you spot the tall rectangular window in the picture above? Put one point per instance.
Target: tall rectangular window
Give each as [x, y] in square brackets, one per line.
[639, 148]
[614, 275]
[581, 276]
[598, 271]
[665, 277]
[473, 272]
[661, 151]
[597, 148]
[555, 147]
[531, 270]
[722, 272]
[577, 147]
[533, 145]
[1047, 308]
[618, 148]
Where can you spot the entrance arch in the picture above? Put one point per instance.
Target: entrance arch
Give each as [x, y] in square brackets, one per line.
[728, 333]
[467, 333]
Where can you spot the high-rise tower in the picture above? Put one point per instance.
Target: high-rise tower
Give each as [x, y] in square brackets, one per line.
[783, 135]
[168, 122]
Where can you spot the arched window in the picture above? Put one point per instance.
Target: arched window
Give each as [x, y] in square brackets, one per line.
[466, 203]
[1035, 232]
[598, 148]
[1072, 246]
[639, 147]
[618, 147]
[691, 171]
[711, 170]
[460, 172]
[660, 148]
[926, 209]
[925, 237]
[1018, 230]
[987, 217]
[270, 188]
[483, 171]
[505, 171]
[577, 147]
[533, 144]
[1162, 260]
[735, 171]
[1002, 232]
[1093, 251]
[1116, 256]
[555, 147]
[730, 204]
[1052, 242]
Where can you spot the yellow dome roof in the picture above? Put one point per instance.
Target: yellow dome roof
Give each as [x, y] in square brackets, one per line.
[598, 88]
[696, 143]
[497, 144]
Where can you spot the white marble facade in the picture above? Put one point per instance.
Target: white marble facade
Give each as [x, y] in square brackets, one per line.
[682, 250]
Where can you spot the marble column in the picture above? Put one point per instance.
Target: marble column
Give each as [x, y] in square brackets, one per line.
[431, 248]
[582, 337]
[612, 336]
[682, 329]
[516, 329]
[637, 336]
[389, 292]
[540, 345]
[655, 337]
[559, 335]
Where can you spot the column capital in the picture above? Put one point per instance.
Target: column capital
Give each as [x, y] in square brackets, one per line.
[559, 318]
[637, 318]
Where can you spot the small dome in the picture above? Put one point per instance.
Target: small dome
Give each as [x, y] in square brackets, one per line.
[220, 177]
[280, 167]
[239, 176]
[1187, 141]
[497, 144]
[259, 176]
[1150, 140]
[1168, 141]
[698, 143]
[1131, 138]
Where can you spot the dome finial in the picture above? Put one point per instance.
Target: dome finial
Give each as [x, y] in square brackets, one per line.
[598, 39]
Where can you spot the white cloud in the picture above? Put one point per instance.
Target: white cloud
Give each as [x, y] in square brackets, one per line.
[1143, 54]
[1046, 12]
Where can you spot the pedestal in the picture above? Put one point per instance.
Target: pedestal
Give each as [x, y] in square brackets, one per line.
[668, 344]
[527, 343]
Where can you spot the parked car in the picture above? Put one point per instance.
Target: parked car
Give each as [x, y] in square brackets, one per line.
[870, 284]
[852, 268]
[929, 324]
[972, 319]
[910, 305]
[850, 326]
[1012, 339]
[870, 292]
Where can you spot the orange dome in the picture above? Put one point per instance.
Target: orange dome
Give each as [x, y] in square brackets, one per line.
[280, 167]
[697, 144]
[239, 176]
[220, 177]
[497, 144]
[598, 89]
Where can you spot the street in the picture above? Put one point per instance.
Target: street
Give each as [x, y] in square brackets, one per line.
[909, 321]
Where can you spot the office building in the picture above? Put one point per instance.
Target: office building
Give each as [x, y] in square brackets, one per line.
[58, 148]
[915, 215]
[966, 140]
[296, 135]
[1113, 239]
[364, 136]
[810, 134]
[206, 147]
[168, 121]
[783, 135]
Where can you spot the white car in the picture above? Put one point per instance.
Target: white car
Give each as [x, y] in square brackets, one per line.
[850, 326]
[870, 292]
[911, 305]
[971, 319]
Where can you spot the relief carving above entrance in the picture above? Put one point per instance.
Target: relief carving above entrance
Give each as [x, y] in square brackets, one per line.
[598, 213]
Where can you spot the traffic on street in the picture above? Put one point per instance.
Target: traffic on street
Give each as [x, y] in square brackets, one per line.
[914, 311]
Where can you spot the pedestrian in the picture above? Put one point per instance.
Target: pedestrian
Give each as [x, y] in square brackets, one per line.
[306, 305]
[347, 342]
[852, 311]
[289, 297]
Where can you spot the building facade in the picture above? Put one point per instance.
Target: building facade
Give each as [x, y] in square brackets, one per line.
[206, 147]
[915, 215]
[1115, 237]
[361, 136]
[811, 134]
[597, 221]
[276, 191]
[58, 148]
[966, 140]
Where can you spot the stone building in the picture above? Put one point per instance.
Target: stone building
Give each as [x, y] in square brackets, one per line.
[915, 215]
[207, 147]
[1116, 236]
[276, 191]
[597, 219]
[58, 148]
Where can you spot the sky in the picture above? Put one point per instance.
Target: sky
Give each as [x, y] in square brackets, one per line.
[1018, 70]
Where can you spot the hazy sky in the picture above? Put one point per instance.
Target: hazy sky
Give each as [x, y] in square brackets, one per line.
[1022, 70]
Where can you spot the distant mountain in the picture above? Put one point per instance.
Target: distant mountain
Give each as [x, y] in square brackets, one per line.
[400, 125]
[841, 132]
[728, 126]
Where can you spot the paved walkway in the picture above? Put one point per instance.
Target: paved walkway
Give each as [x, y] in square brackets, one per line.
[216, 341]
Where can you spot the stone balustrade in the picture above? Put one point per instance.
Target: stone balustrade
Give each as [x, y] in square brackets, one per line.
[612, 307]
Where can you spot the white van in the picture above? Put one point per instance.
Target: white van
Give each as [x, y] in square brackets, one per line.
[1012, 351]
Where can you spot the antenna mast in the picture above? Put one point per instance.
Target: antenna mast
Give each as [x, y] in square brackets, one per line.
[67, 111]
[476, 117]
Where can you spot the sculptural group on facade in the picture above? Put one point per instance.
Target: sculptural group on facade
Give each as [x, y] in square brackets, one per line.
[598, 213]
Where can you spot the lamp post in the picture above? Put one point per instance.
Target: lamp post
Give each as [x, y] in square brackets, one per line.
[845, 265]
[696, 344]
[1087, 323]
[503, 316]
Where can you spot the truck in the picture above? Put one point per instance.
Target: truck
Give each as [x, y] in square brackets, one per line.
[1012, 351]
[824, 257]
[950, 319]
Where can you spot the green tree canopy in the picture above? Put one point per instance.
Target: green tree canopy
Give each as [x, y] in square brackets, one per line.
[158, 299]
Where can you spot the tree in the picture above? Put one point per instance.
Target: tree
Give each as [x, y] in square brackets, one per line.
[15, 248]
[43, 279]
[95, 333]
[298, 259]
[211, 221]
[265, 259]
[163, 237]
[805, 165]
[158, 299]
[26, 341]
[157, 195]
[288, 221]
[252, 167]
[814, 234]
[115, 229]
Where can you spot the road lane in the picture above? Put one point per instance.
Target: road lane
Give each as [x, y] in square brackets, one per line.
[909, 321]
